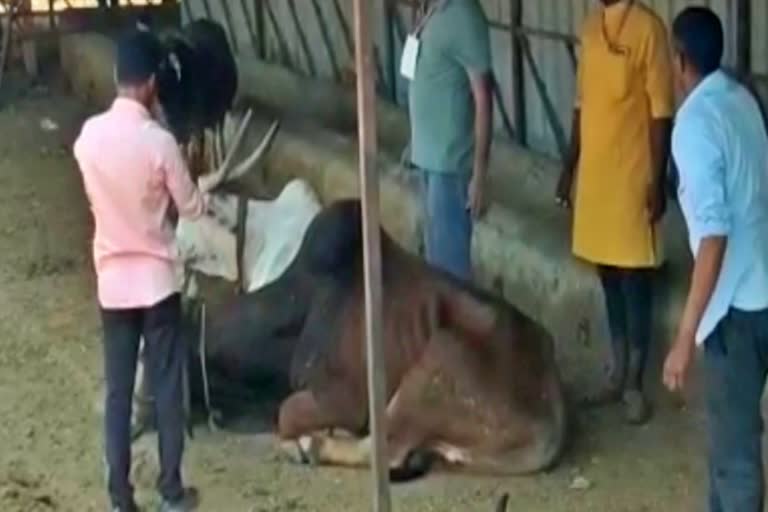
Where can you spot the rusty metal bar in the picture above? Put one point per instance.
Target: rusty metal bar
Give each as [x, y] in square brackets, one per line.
[344, 27]
[389, 62]
[510, 129]
[281, 43]
[302, 38]
[549, 108]
[518, 72]
[326, 39]
[249, 26]
[230, 28]
[369, 187]
[260, 28]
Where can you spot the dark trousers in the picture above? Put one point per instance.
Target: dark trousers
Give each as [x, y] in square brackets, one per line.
[629, 301]
[736, 364]
[165, 355]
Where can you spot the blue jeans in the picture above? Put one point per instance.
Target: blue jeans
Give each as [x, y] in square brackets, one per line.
[736, 358]
[447, 223]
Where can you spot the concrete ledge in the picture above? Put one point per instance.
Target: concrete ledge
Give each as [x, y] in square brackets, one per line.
[521, 249]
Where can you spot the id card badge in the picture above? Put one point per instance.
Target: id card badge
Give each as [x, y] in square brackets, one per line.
[410, 56]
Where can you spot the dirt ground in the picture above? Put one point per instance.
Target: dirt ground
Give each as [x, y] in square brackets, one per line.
[50, 385]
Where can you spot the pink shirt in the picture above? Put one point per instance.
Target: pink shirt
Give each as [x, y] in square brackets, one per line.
[133, 171]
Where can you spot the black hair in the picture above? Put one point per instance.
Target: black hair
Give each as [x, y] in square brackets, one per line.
[699, 35]
[139, 55]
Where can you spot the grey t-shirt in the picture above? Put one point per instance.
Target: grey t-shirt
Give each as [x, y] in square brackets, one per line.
[455, 39]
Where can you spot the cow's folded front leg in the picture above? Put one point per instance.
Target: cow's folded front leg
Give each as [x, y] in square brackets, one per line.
[301, 416]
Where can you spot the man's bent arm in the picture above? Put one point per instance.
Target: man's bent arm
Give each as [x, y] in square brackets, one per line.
[483, 96]
[661, 139]
[702, 167]
[188, 199]
[706, 271]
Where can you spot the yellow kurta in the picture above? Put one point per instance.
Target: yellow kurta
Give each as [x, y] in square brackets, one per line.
[619, 93]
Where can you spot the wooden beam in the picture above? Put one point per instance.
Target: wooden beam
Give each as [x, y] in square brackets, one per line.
[518, 73]
[369, 191]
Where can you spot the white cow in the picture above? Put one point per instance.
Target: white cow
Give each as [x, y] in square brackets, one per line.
[274, 230]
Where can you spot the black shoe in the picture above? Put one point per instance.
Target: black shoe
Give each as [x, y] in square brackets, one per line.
[188, 502]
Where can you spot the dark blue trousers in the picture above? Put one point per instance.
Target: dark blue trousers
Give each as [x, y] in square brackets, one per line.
[165, 356]
[736, 360]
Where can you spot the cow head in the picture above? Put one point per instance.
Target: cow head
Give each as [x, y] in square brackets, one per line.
[198, 78]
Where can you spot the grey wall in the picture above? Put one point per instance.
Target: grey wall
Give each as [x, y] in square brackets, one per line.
[334, 59]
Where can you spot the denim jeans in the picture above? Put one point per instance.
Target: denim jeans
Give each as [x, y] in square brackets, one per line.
[736, 363]
[165, 356]
[447, 222]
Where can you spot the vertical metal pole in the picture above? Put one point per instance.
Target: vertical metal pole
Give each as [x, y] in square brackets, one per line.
[744, 37]
[518, 72]
[51, 15]
[383, 15]
[260, 28]
[369, 185]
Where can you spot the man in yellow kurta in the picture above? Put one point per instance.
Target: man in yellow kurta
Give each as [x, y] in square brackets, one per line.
[615, 176]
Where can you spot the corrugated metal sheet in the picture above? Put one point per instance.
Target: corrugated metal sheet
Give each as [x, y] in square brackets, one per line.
[309, 50]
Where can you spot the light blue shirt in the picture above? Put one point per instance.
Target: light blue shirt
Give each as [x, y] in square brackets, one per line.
[720, 148]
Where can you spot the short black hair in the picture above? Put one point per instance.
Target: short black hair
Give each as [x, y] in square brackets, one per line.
[699, 34]
[139, 54]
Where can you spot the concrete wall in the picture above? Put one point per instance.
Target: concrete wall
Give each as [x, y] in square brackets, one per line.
[521, 248]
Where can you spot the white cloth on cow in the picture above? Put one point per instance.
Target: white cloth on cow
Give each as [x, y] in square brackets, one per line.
[274, 232]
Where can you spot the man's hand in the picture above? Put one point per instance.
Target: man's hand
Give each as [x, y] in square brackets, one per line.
[476, 201]
[678, 362]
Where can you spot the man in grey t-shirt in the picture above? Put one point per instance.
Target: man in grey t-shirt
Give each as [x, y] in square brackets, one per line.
[451, 118]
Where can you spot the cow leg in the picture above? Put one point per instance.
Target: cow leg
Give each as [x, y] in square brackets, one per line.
[405, 433]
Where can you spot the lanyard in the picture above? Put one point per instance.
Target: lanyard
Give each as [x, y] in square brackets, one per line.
[612, 44]
[433, 7]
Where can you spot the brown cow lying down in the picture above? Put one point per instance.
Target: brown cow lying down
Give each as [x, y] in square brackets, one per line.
[470, 380]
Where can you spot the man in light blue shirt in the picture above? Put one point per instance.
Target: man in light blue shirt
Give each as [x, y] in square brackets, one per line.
[720, 147]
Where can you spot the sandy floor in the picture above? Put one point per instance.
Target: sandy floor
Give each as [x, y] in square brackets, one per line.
[50, 378]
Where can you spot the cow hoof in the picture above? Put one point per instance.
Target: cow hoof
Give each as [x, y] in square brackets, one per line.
[302, 451]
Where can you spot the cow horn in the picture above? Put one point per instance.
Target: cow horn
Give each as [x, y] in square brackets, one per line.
[257, 154]
[213, 180]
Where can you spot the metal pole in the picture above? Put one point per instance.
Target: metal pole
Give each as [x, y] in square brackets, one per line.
[743, 37]
[518, 72]
[369, 187]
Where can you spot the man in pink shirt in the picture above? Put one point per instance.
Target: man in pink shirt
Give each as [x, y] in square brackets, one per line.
[134, 176]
